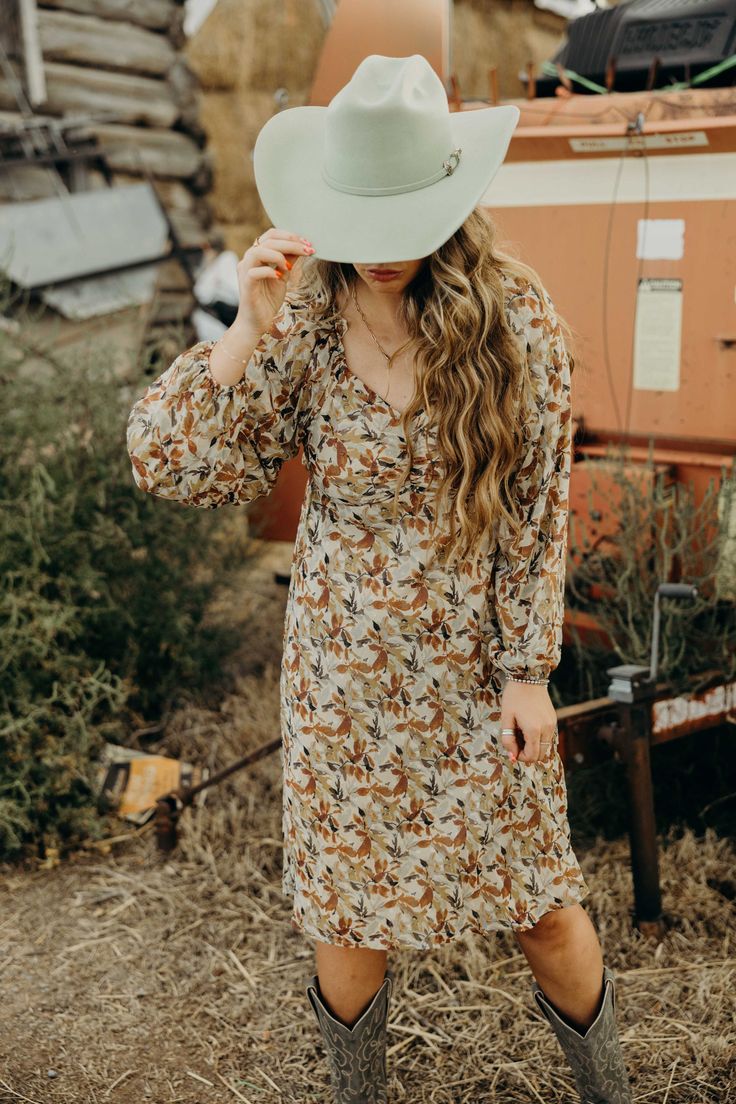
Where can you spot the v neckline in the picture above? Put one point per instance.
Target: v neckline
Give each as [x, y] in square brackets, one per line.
[373, 397]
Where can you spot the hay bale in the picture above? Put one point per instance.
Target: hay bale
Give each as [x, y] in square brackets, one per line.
[232, 122]
[258, 45]
[243, 54]
[508, 36]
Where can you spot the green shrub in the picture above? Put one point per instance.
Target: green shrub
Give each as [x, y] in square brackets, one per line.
[660, 533]
[102, 600]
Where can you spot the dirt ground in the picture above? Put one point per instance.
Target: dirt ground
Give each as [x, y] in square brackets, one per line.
[129, 975]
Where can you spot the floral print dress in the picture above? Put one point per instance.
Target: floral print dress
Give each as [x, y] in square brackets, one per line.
[404, 821]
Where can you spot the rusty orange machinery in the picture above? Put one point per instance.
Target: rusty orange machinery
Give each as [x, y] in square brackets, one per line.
[626, 206]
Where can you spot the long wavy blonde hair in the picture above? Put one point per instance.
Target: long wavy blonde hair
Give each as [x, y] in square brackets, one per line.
[474, 384]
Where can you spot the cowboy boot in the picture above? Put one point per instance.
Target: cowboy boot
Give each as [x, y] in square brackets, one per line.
[595, 1057]
[357, 1054]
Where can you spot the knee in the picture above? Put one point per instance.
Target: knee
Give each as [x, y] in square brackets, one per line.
[553, 927]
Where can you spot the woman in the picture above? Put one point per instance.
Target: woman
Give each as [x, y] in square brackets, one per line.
[424, 795]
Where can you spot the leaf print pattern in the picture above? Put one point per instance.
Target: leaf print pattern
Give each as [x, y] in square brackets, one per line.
[404, 822]
[195, 440]
[529, 575]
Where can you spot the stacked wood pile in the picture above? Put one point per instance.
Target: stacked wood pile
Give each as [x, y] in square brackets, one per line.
[120, 66]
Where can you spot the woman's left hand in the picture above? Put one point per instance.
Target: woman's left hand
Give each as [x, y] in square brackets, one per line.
[527, 707]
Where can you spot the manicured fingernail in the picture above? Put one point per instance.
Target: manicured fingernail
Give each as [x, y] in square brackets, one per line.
[288, 264]
[277, 273]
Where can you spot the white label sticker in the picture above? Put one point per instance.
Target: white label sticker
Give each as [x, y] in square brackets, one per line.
[640, 141]
[660, 239]
[657, 335]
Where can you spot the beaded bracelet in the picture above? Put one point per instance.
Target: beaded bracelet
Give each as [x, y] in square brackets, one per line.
[535, 682]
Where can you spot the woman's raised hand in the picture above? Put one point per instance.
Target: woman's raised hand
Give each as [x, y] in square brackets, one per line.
[264, 272]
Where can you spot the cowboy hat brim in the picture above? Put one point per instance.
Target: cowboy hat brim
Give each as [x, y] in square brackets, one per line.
[370, 229]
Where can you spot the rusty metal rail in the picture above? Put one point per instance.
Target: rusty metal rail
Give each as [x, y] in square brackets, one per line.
[170, 805]
[637, 715]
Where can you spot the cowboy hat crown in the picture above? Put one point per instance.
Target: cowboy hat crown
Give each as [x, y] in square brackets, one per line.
[385, 172]
[388, 130]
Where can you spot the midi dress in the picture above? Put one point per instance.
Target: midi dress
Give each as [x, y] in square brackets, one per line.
[405, 823]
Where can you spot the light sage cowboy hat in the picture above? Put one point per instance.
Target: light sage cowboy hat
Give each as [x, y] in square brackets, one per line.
[385, 172]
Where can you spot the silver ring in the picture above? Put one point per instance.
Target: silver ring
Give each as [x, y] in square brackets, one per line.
[507, 731]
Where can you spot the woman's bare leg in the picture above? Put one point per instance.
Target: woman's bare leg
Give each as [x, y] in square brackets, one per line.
[349, 978]
[565, 957]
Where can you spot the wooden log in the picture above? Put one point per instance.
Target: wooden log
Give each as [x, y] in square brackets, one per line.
[157, 15]
[165, 153]
[201, 181]
[174, 194]
[34, 84]
[70, 37]
[130, 149]
[186, 92]
[14, 119]
[176, 34]
[189, 230]
[183, 80]
[125, 98]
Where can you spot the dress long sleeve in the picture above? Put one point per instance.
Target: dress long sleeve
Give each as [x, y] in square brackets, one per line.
[529, 570]
[203, 443]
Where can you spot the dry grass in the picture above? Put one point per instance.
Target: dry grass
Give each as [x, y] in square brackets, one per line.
[132, 976]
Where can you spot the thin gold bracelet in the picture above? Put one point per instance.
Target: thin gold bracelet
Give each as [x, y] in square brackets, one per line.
[240, 360]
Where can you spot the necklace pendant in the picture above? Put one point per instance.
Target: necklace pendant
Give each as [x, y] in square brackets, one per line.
[389, 357]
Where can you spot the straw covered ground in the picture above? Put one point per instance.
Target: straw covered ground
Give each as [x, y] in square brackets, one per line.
[130, 976]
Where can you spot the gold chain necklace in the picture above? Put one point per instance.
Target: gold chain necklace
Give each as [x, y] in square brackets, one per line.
[388, 357]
